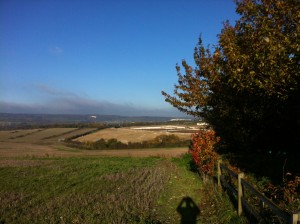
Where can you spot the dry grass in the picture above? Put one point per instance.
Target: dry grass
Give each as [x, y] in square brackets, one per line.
[13, 149]
[45, 143]
[10, 135]
[126, 135]
[74, 132]
[43, 135]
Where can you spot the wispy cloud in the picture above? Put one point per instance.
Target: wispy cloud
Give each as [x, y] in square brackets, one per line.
[67, 106]
[56, 50]
[51, 91]
[57, 101]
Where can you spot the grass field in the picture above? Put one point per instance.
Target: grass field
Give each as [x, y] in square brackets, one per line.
[102, 190]
[80, 190]
[44, 181]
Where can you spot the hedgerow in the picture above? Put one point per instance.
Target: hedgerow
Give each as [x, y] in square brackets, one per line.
[161, 141]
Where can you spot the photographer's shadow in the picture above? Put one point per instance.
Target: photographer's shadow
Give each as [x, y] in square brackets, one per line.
[188, 211]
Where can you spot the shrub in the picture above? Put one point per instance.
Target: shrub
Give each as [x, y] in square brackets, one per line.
[202, 150]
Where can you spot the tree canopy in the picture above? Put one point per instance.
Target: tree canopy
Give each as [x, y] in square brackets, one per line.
[247, 87]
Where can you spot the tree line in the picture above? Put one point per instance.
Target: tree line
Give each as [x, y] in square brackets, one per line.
[247, 86]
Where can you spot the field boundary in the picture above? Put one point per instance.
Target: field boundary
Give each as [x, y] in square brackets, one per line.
[24, 135]
[243, 206]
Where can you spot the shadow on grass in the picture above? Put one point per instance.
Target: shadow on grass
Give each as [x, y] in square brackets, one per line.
[188, 211]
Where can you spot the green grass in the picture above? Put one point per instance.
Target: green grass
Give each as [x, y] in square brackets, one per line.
[81, 190]
[181, 184]
[105, 190]
[214, 205]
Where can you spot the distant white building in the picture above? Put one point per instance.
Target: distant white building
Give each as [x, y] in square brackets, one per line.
[202, 124]
[180, 119]
[93, 117]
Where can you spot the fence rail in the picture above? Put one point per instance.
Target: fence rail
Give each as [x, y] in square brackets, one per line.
[243, 203]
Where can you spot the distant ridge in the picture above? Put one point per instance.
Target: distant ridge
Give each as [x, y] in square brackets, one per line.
[9, 119]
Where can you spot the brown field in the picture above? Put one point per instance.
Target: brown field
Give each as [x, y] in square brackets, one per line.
[51, 135]
[129, 134]
[46, 143]
[9, 135]
[43, 135]
[80, 131]
[15, 149]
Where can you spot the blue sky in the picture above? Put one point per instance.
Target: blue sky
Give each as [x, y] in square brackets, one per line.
[100, 56]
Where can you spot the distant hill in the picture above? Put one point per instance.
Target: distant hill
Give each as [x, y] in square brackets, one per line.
[19, 120]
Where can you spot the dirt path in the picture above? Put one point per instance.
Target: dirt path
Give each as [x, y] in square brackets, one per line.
[13, 149]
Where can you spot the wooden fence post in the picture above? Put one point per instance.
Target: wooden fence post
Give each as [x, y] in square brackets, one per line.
[219, 173]
[240, 193]
[264, 201]
[295, 218]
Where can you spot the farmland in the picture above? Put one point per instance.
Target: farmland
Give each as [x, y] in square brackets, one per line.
[36, 191]
[103, 190]
[44, 181]
[41, 135]
[49, 142]
[136, 134]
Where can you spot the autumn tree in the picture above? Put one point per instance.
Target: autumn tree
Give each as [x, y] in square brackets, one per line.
[247, 87]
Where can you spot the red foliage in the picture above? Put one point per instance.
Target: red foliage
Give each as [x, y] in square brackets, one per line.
[202, 150]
